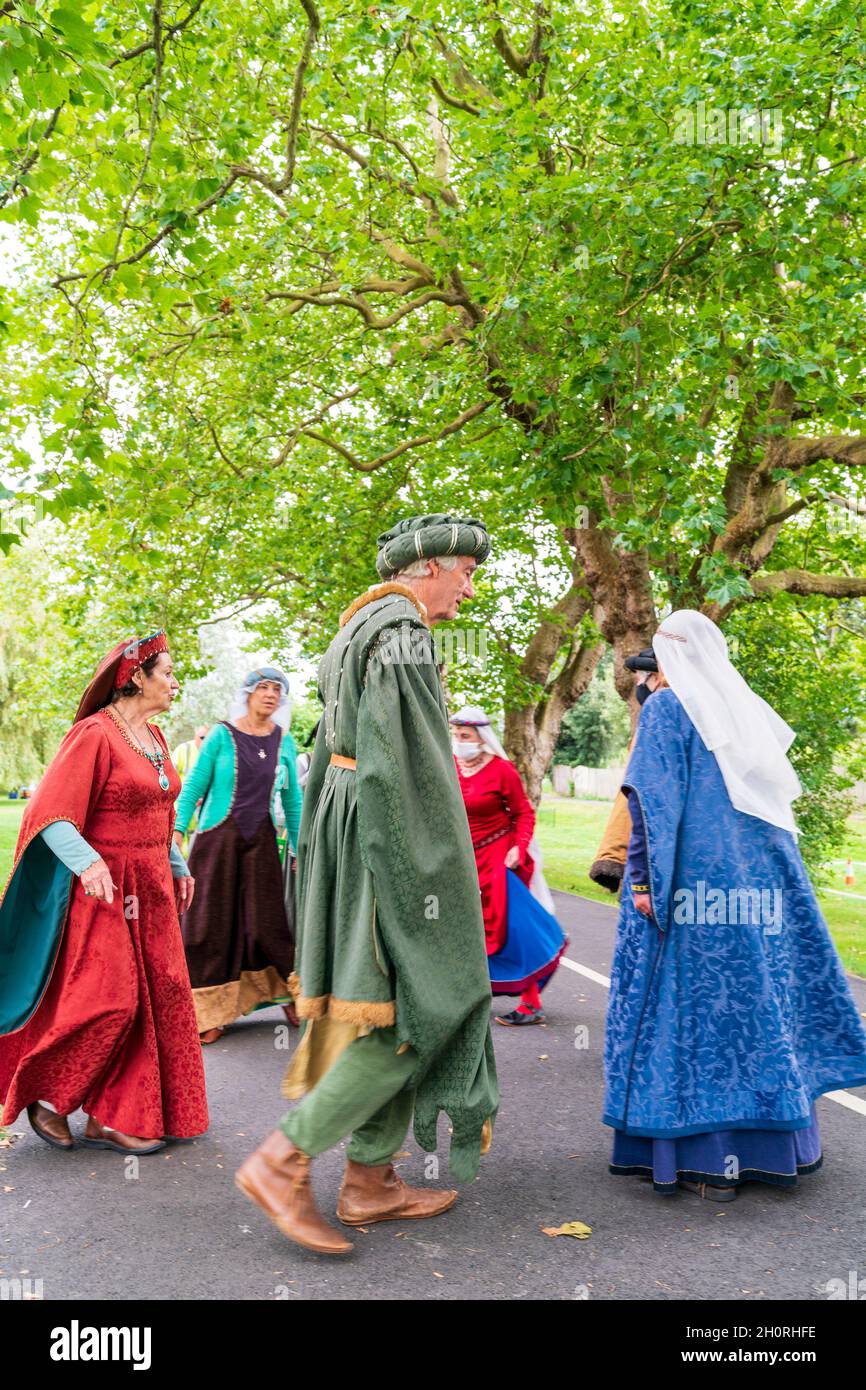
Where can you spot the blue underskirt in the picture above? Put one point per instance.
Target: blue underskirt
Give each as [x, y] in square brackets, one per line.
[773, 1156]
[533, 946]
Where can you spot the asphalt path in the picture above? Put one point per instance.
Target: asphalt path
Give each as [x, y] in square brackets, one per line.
[89, 1228]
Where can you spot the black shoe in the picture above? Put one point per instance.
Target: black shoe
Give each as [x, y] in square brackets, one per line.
[708, 1192]
[518, 1019]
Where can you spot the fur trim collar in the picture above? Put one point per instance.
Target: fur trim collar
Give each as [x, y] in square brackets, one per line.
[377, 591]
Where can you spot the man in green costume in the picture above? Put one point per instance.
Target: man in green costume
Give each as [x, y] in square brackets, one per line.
[392, 969]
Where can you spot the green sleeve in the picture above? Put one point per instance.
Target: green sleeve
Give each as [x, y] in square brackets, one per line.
[289, 789]
[197, 783]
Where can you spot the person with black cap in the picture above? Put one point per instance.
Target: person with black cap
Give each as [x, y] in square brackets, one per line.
[609, 864]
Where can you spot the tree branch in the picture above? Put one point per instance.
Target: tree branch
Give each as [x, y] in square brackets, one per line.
[832, 448]
[157, 44]
[221, 451]
[358, 303]
[453, 101]
[168, 33]
[32, 157]
[795, 581]
[403, 448]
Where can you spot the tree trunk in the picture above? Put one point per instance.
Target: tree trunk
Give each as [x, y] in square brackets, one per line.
[531, 732]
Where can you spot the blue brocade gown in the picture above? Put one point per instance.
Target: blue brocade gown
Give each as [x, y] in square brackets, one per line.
[666, 1046]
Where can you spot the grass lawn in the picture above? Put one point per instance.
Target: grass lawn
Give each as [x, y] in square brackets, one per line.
[10, 819]
[569, 832]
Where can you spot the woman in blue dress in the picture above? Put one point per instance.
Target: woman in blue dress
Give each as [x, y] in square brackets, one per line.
[729, 1009]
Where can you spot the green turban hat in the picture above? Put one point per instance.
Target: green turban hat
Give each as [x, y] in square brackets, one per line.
[428, 538]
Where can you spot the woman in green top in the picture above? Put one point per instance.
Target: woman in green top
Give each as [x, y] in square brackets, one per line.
[239, 943]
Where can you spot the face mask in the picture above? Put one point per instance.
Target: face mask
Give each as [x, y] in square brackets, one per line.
[642, 692]
[463, 749]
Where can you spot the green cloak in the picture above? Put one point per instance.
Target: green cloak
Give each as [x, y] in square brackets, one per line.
[389, 921]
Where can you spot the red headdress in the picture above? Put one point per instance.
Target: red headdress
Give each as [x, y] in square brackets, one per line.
[115, 670]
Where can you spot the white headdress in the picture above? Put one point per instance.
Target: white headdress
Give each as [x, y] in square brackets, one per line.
[282, 715]
[746, 735]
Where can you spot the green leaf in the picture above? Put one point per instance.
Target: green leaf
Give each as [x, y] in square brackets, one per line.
[73, 27]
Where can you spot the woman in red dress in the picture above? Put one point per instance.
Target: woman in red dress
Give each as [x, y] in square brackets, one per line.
[524, 940]
[96, 1010]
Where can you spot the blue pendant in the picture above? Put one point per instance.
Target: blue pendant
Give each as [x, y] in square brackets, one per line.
[163, 781]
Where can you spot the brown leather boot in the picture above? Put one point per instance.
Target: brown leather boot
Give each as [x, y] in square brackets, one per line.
[379, 1194]
[97, 1136]
[277, 1178]
[50, 1126]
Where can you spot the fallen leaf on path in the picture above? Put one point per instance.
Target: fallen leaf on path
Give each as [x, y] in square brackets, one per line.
[438, 1276]
[545, 1056]
[578, 1229]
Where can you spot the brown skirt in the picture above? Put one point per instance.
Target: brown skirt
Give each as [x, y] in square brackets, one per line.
[239, 942]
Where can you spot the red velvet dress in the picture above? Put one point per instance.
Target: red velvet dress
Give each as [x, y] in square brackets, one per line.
[115, 1030]
[500, 816]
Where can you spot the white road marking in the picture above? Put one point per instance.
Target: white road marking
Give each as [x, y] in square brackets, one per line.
[585, 970]
[843, 893]
[843, 1098]
[840, 1097]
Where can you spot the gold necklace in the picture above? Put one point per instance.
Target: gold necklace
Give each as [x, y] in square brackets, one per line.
[475, 764]
[156, 758]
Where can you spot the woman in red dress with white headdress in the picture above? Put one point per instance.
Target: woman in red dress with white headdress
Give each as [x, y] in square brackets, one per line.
[524, 940]
[96, 1009]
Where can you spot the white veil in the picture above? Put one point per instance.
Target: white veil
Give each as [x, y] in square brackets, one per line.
[282, 715]
[747, 736]
[475, 716]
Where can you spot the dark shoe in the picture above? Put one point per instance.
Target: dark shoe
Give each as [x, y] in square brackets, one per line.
[50, 1126]
[710, 1193]
[378, 1194]
[97, 1136]
[277, 1178]
[517, 1019]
